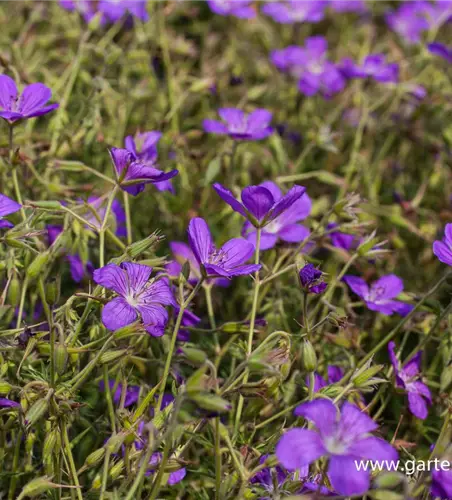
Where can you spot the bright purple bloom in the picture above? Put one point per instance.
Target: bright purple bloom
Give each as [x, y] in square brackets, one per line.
[379, 296]
[32, 102]
[173, 477]
[236, 8]
[408, 378]
[270, 477]
[264, 204]
[311, 279]
[443, 249]
[144, 148]
[373, 66]
[228, 261]
[7, 207]
[133, 174]
[348, 5]
[7, 403]
[442, 480]
[131, 396]
[409, 21]
[310, 65]
[111, 11]
[296, 11]
[138, 296]
[439, 49]
[240, 126]
[343, 437]
[340, 240]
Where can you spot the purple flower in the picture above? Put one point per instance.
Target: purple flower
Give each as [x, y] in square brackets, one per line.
[7, 207]
[131, 396]
[348, 5]
[227, 261]
[264, 204]
[173, 477]
[343, 437]
[408, 378]
[311, 279]
[296, 11]
[270, 477]
[379, 296]
[182, 253]
[309, 64]
[111, 10]
[340, 240]
[134, 174]
[443, 249]
[137, 296]
[240, 126]
[32, 102]
[439, 49]
[373, 66]
[408, 21]
[144, 148]
[236, 8]
[188, 319]
[442, 479]
[7, 403]
[335, 373]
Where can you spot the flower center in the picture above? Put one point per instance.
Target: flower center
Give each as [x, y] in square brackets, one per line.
[334, 445]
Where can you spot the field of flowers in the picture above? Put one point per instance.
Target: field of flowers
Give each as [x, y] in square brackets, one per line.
[225, 249]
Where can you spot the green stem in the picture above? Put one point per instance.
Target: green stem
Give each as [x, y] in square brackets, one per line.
[70, 458]
[22, 302]
[104, 225]
[128, 219]
[12, 484]
[49, 317]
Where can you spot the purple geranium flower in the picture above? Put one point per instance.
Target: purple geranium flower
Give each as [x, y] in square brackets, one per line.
[7, 403]
[408, 21]
[236, 8]
[373, 66]
[144, 148]
[32, 102]
[296, 11]
[137, 296]
[439, 49]
[408, 378]
[379, 296]
[348, 5]
[340, 240]
[271, 477]
[111, 10]
[7, 207]
[133, 174]
[310, 65]
[443, 249]
[311, 279]
[264, 204]
[228, 261]
[240, 126]
[132, 393]
[442, 478]
[343, 437]
[335, 373]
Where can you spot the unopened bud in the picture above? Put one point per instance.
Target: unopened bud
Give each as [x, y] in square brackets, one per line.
[14, 291]
[366, 377]
[36, 412]
[116, 470]
[115, 442]
[210, 402]
[95, 457]
[36, 487]
[108, 357]
[52, 291]
[5, 387]
[35, 268]
[52, 442]
[195, 356]
[139, 247]
[60, 357]
[48, 205]
[308, 357]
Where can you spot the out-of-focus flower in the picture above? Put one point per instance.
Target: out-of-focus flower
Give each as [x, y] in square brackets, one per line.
[137, 296]
[408, 378]
[294, 11]
[131, 396]
[339, 239]
[7, 207]
[442, 477]
[236, 8]
[189, 319]
[343, 437]
[373, 66]
[358, 6]
[7, 403]
[111, 11]
[309, 64]
[241, 126]
[264, 204]
[443, 249]
[270, 479]
[439, 49]
[32, 102]
[227, 261]
[134, 174]
[335, 373]
[173, 477]
[144, 148]
[311, 279]
[379, 296]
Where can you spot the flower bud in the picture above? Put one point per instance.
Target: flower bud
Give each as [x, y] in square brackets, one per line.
[35, 268]
[47, 204]
[116, 470]
[95, 457]
[14, 291]
[195, 356]
[365, 376]
[5, 387]
[52, 291]
[308, 357]
[109, 356]
[60, 358]
[36, 487]
[36, 412]
[210, 402]
[115, 442]
[139, 247]
[52, 443]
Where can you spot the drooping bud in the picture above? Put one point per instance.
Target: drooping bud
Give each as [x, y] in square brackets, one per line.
[52, 291]
[311, 279]
[308, 357]
[195, 356]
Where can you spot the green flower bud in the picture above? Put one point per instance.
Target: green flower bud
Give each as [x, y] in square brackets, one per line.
[139, 247]
[210, 402]
[196, 356]
[116, 470]
[60, 358]
[36, 412]
[46, 204]
[95, 457]
[35, 268]
[52, 443]
[5, 388]
[308, 357]
[109, 356]
[115, 442]
[36, 487]
[52, 291]
[14, 291]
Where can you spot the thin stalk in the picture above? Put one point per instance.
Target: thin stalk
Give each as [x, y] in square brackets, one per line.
[49, 317]
[104, 225]
[70, 458]
[22, 302]
[128, 219]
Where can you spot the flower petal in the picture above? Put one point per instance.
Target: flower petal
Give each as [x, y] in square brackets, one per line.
[322, 412]
[373, 448]
[417, 405]
[230, 199]
[8, 92]
[258, 201]
[137, 275]
[117, 314]
[200, 239]
[234, 117]
[354, 422]
[259, 119]
[299, 447]
[112, 277]
[154, 318]
[33, 97]
[286, 201]
[387, 287]
[236, 252]
[293, 233]
[8, 206]
[443, 252]
[268, 240]
[121, 159]
[214, 127]
[159, 292]
[42, 111]
[345, 478]
[358, 285]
